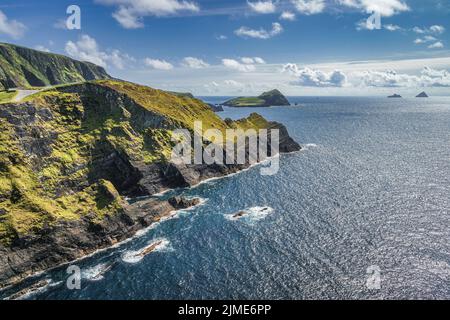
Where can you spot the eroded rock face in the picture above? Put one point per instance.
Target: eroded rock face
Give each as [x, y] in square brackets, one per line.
[89, 146]
[183, 203]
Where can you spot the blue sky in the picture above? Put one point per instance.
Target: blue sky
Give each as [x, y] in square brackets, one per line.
[233, 47]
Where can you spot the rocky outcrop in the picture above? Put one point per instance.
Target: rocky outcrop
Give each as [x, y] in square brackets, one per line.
[23, 67]
[395, 96]
[216, 107]
[70, 155]
[422, 95]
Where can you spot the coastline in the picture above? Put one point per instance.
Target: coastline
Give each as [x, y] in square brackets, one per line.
[139, 230]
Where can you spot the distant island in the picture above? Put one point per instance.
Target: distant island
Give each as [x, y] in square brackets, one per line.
[267, 99]
[395, 96]
[422, 95]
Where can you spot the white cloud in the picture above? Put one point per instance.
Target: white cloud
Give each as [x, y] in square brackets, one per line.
[262, 6]
[11, 28]
[261, 33]
[287, 15]
[309, 7]
[236, 65]
[222, 37]
[392, 27]
[158, 64]
[435, 29]
[194, 63]
[391, 79]
[42, 48]
[425, 39]
[87, 49]
[436, 45]
[307, 77]
[386, 8]
[131, 12]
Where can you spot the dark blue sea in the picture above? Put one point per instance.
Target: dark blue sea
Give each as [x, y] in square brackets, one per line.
[369, 196]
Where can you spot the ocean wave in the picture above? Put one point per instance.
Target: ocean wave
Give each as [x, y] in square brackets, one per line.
[251, 214]
[97, 272]
[158, 245]
[36, 288]
[310, 146]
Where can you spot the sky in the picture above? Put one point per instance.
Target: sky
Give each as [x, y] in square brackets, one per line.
[244, 47]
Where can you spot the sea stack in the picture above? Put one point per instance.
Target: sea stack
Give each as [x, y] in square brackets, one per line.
[422, 95]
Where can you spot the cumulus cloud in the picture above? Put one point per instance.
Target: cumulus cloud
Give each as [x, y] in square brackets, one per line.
[87, 49]
[130, 13]
[435, 29]
[11, 28]
[262, 6]
[386, 8]
[309, 7]
[425, 39]
[42, 48]
[436, 45]
[389, 79]
[236, 65]
[158, 64]
[287, 15]
[194, 63]
[261, 33]
[392, 27]
[307, 77]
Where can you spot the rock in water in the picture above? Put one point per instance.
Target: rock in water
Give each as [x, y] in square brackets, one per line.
[395, 96]
[183, 203]
[422, 95]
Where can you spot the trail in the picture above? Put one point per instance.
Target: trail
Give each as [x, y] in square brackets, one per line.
[22, 94]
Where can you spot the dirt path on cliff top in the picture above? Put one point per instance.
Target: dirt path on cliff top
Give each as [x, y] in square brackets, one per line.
[22, 94]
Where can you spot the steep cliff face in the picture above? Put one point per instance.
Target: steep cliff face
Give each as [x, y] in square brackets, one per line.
[69, 155]
[23, 67]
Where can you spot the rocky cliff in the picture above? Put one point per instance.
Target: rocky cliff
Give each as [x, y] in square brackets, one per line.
[23, 67]
[69, 155]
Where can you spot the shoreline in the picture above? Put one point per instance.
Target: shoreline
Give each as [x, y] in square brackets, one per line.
[142, 231]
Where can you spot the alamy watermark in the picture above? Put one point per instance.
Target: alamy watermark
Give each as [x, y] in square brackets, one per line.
[73, 22]
[236, 147]
[374, 21]
[373, 281]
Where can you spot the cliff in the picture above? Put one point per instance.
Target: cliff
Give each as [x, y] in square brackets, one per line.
[23, 68]
[267, 99]
[70, 155]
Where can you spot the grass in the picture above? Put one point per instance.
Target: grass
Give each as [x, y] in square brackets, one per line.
[37, 192]
[7, 96]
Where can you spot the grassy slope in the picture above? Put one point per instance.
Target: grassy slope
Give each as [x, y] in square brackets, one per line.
[7, 96]
[31, 196]
[25, 68]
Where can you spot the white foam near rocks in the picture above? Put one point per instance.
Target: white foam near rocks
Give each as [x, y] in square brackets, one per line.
[252, 214]
[136, 256]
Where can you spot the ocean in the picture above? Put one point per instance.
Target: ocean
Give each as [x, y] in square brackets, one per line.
[362, 212]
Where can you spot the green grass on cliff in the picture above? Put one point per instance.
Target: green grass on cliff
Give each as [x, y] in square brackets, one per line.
[7, 96]
[22, 67]
[62, 183]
